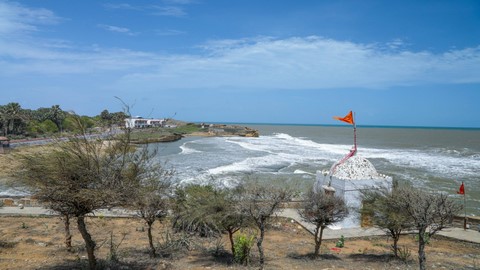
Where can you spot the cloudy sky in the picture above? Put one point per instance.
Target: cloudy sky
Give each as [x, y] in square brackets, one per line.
[401, 63]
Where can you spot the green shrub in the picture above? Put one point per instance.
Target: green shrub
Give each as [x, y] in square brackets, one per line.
[404, 254]
[426, 237]
[341, 242]
[243, 244]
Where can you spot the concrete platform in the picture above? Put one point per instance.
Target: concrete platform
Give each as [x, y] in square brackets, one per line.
[468, 235]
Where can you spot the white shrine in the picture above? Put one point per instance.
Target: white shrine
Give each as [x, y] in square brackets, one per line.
[348, 177]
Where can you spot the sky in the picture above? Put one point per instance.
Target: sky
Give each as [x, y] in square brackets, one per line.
[395, 63]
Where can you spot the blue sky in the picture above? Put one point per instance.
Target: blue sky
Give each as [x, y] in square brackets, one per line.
[408, 63]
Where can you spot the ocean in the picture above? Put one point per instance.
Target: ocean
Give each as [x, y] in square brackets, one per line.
[433, 159]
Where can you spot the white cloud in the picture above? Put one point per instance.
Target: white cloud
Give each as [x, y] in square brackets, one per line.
[310, 63]
[294, 63]
[179, 2]
[124, 6]
[117, 29]
[173, 11]
[15, 19]
[169, 32]
[255, 63]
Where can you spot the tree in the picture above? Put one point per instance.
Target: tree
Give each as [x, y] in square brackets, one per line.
[383, 207]
[151, 199]
[118, 118]
[48, 127]
[322, 210]
[57, 116]
[208, 210]
[259, 201]
[429, 212]
[106, 118]
[11, 117]
[84, 175]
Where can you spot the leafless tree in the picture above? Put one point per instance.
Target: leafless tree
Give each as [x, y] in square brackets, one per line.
[386, 213]
[322, 210]
[259, 201]
[151, 198]
[429, 212]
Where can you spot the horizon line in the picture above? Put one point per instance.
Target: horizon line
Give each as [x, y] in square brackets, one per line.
[340, 125]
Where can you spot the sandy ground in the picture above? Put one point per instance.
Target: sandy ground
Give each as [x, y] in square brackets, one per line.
[37, 243]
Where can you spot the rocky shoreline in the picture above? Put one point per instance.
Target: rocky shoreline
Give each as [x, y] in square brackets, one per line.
[200, 130]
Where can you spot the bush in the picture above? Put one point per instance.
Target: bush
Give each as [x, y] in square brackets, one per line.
[340, 243]
[243, 245]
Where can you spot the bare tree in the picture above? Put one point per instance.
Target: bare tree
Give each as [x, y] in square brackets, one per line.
[429, 212]
[386, 213]
[322, 210]
[151, 197]
[65, 216]
[83, 175]
[259, 201]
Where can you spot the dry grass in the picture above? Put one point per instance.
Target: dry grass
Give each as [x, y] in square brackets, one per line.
[37, 243]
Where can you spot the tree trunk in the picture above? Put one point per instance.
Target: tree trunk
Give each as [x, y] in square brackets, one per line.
[153, 253]
[395, 236]
[421, 249]
[232, 244]
[318, 239]
[259, 244]
[89, 242]
[68, 235]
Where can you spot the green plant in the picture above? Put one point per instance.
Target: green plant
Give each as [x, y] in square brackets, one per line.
[24, 226]
[404, 254]
[426, 238]
[341, 242]
[243, 244]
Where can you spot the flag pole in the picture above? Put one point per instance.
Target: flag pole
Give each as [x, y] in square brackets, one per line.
[354, 134]
[465, 209]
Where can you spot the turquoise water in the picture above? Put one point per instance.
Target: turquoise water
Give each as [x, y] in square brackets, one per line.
[435, 159]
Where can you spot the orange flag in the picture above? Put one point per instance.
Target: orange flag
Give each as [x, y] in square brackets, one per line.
[347, 119]
[461, 190]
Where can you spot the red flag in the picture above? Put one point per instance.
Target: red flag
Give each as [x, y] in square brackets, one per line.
[347, 119]
[461, 190]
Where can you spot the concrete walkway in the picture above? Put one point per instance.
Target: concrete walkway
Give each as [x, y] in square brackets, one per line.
[468, 235]
[328, 233]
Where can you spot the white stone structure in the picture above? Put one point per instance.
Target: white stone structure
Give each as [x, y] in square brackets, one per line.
[139, 122]
[349, 178]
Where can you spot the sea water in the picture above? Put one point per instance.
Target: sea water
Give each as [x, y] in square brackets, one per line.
[432, 159]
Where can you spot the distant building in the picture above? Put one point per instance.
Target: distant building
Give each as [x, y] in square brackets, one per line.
[140, 122]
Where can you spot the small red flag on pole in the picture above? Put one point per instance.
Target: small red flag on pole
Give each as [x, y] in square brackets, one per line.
[461, 190]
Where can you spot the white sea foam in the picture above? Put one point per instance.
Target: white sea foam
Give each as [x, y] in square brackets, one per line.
[282, 148]
[188, 150]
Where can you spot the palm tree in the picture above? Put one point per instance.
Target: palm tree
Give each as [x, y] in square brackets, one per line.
[57, 115]
[4, 120]
[10, 115]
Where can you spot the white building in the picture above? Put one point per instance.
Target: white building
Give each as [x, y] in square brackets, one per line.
[140, 122]
[349, 178]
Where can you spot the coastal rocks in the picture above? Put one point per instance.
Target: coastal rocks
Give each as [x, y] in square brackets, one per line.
[165, 138]
[232, 130]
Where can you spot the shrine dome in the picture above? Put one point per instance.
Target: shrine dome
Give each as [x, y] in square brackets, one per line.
[357, 168]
